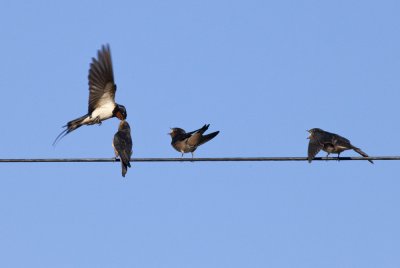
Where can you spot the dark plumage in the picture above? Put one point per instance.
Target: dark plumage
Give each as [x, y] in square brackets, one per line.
[102, 89]
[188, 142]
[122, 144]
[330, 143]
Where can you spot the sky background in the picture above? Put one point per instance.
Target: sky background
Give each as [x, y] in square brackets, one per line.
[261, 72]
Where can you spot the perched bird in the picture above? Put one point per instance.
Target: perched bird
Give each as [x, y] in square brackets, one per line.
[122, 145]
[188, 142]
[330, 143]
[102, 89]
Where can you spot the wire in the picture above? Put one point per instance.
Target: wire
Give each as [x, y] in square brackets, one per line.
[217, 159]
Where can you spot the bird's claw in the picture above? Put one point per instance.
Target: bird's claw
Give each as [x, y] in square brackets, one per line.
[97, 121]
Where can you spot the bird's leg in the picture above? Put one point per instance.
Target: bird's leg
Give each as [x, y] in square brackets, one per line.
[97, 121]
[338, 157]
[327, 155]
[116, 156]
[192, 154]
[182, 155]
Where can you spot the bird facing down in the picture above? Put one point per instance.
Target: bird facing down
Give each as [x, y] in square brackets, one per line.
[122, 145]
[102, 89]
[188, 142]
[330, 143]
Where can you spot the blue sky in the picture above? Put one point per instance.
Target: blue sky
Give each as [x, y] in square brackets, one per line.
[261, 72]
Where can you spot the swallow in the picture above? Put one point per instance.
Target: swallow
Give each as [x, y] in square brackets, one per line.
[102, 105]
[122, 144]
[188, 142]
[329, 142]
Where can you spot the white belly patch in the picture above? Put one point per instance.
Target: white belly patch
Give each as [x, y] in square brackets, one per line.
[102, 113]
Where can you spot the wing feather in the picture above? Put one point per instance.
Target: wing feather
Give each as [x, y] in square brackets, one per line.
[314, 146]
[101, 79]
[123, 145]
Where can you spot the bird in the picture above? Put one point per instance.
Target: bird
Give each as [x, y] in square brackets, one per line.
[102, 87]
[122, 144]
[188, 142]
[330, 143]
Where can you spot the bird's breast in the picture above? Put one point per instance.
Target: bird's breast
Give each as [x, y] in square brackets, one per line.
[104, 111]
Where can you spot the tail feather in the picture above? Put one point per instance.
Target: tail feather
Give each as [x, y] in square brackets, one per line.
[358, 150]
[208, 137]
[70, 126]
[124, 158]
[124, 169]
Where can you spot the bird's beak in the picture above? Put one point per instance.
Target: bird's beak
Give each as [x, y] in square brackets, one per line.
[119, 116]
[169, 133]
[309, 137]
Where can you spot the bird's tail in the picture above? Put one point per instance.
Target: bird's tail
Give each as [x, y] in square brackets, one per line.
[124, 168]
[70, 126]
[358, 150]
[124, 158]
[208, 137]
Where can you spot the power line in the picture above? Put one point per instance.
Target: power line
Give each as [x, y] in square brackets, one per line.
[207, 159]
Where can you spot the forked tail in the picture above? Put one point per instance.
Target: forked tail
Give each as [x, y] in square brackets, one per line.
[70, 126]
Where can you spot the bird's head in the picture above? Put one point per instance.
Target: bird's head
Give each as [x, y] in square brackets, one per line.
[176, 131]
[313, 131]
[120, 112]
[123, 125]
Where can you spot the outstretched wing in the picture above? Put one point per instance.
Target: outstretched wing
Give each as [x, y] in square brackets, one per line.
[201, 130]
[197, 136]
[101, 80]
[208, 137]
